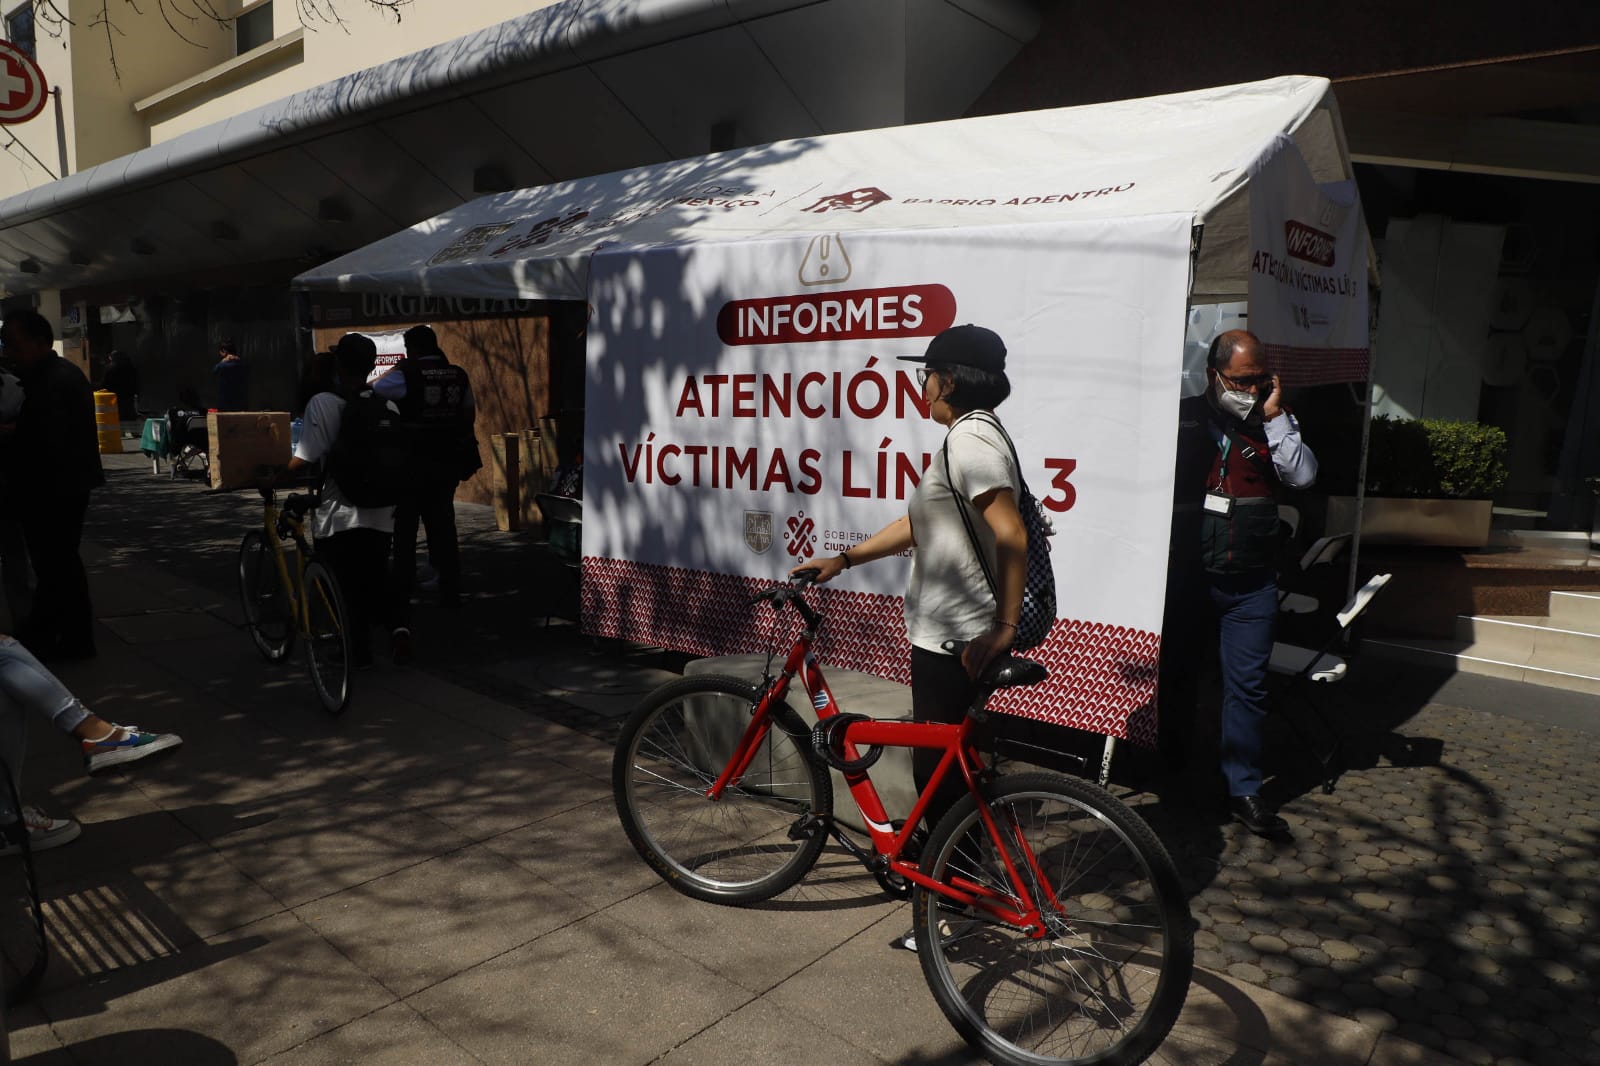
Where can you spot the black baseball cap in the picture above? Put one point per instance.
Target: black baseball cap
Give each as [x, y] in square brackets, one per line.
[966, 345]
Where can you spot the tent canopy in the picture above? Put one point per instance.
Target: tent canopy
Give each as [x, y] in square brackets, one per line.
[1189, 153]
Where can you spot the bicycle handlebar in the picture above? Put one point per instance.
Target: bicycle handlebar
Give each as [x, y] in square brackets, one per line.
[789, 593]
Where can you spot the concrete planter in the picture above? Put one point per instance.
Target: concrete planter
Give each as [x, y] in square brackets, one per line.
[1425, 523]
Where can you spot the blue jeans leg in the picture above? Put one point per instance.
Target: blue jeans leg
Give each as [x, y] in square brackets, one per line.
[26, 684]
[1247, 612]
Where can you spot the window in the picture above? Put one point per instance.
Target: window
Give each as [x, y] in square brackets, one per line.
[253, 28]
[19, 29]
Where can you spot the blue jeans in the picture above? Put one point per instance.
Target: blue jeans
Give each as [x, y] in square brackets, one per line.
[1247, 614]
[25, 684]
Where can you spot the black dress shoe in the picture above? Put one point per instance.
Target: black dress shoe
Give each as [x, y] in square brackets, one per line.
[1253, 813]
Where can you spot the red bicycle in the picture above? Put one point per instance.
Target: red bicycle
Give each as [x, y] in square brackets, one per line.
[1049, 920]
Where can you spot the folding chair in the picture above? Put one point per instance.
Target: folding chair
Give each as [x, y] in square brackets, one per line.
[1323, 551]
[188, 443]
[563, 533]
[1308, 667]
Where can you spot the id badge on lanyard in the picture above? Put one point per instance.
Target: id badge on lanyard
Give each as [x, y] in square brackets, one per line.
[1218, 502]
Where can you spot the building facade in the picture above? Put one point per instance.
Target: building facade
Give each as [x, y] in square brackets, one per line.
[183, 179]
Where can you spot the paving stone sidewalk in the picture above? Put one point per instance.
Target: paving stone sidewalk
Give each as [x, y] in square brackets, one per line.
[1442, 898]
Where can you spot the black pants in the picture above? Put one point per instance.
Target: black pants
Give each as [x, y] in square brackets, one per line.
[360, 560]
[434, 505]
[941, 691]
[62, 619]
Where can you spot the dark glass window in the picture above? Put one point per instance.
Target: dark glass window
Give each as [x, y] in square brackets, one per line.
[19, 29]
[253, 28]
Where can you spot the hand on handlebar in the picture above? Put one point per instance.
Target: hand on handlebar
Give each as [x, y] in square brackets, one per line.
[825, 569]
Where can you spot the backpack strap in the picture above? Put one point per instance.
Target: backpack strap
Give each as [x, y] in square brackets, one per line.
[961, 507]
[985, 416]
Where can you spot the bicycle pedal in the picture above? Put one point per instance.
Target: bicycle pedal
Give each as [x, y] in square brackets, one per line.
[806, 827]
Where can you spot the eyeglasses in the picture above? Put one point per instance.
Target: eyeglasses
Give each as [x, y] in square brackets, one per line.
[1254, 381]
[922, 377]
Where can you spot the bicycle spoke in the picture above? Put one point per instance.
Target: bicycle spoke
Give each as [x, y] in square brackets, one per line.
[737, 846]
[1097, 980]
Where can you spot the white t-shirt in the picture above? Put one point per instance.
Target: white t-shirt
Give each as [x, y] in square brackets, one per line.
[948, 597]
[335, 514]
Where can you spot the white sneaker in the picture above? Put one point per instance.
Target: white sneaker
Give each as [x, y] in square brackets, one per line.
[44, 832]
[909, 940]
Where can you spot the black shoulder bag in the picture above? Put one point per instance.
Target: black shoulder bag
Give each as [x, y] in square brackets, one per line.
[1039, 585]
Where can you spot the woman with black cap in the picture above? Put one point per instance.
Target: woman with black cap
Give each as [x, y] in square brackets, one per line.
[949, 603]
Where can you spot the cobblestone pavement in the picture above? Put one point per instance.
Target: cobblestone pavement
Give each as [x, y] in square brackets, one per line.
[1454, 905]
[1446, 891]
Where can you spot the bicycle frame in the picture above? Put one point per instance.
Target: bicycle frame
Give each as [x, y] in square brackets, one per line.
[293, 584]
[954, 740]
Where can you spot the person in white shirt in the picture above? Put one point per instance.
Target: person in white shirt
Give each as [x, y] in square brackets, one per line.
[948, 601]
[354, 540]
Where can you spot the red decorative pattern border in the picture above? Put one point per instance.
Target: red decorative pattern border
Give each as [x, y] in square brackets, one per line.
[1318, 366]
[1102, 677]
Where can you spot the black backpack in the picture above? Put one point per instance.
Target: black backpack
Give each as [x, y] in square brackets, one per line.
[1039, 583]
[371, 459]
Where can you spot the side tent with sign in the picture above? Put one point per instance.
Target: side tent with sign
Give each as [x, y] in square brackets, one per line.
[746, 409]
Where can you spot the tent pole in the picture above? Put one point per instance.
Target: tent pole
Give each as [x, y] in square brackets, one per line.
[1366, 437]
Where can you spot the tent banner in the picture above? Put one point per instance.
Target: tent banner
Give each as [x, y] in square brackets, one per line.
[1308, 273]
[746, 412]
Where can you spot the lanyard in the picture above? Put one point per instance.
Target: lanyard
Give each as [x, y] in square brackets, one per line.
[1223, 445]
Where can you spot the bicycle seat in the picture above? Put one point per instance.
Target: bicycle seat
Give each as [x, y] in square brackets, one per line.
[298, 504]
[1010, 671]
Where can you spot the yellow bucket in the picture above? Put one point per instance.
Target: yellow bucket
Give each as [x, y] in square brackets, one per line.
[108, 423]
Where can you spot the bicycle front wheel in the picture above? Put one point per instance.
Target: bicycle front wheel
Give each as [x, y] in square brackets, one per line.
[261, 598]
[327, 637]
[767, 828]
[1103, 979]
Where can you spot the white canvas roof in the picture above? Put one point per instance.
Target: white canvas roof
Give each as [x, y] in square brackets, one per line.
[1185, 153]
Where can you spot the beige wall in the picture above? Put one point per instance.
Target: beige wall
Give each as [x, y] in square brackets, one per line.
[329, 52]
[102, 122]
[149, 57]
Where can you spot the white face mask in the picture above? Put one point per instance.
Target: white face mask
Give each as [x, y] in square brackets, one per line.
[1237, 404]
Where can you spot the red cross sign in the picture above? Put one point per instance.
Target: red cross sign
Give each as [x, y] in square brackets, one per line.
[22, 88]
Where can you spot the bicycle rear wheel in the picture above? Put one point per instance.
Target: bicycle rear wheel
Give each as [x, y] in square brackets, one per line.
[1104, 980]
[327, 637]
[760, 837]
[261, 597]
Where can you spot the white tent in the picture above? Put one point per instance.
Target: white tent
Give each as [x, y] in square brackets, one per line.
[1191, 153]
[745, 409]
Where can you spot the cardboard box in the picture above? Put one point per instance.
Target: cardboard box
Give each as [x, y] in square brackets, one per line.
[242, 442]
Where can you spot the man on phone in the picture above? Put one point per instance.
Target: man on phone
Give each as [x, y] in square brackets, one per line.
[1239, 447]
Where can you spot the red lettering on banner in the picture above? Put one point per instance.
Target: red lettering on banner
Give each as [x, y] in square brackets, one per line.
[1068, 492]
[861, 314]
[1312, 245]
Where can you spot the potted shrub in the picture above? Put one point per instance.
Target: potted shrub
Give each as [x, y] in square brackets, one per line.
[1429, 482]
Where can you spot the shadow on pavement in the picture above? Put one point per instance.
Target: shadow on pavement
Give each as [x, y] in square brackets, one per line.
[139, 1045]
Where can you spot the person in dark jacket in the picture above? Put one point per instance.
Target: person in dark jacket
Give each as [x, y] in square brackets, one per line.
[122, 378]
[1238, 448]
[53, 461]
[436, 397]
[233, 378]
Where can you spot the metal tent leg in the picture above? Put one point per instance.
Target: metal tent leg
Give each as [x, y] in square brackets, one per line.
[1105, 762]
